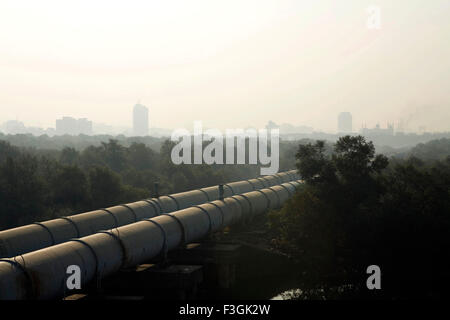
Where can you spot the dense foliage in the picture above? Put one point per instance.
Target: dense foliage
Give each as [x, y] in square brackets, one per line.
[47, 180]
[38, 184]
[356, 210]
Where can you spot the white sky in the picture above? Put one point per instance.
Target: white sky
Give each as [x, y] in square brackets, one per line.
[228, 63]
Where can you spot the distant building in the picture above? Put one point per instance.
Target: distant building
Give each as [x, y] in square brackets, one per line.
[66, 125]
[84, 126]
[72, 126]
[14, 127]
[378, 131]
[140, 120]
[272, 125]
[345, 122]
[289, 129]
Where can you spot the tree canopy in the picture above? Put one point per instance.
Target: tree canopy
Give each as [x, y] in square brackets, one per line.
[356, 210]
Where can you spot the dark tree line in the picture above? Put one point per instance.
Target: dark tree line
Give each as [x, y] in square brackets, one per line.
[37, 185]
[355, 210]
[42, 183]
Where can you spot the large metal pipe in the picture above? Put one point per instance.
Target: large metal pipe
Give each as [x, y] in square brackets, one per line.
[245, 205]
[213, 192]
[257, 184]
[240, 187]
[42, 274]
[36, 236]
[274, 200]
[283, 176]
[271, 180]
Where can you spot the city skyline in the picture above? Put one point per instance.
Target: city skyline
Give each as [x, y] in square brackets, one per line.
[286, 128]
[293, 61]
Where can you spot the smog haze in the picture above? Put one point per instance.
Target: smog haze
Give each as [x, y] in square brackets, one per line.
[229, 64]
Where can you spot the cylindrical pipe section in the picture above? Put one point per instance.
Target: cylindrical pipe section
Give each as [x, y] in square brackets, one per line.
[240, 187]
[233, 212]
[61, 230]
[42, 274]
[154, 202]
[47, 270]
[195, 222]
[140, 241]
[294, 174]
[189, 198]
[143, 209]
[283, 176]
[32, 237]
[282, 194]
[14, 283]
[122, 214]
[167, 204]
[36, 236]
[289, 187]
[257, 184]
[213, 192]
[246, 209]
[274, 200]
[259, 203]
[215, 214]
[271, 180]
[173, 230]
[93, 221]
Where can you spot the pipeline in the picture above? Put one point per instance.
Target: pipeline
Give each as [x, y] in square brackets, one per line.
[42, 274]
[32, 237]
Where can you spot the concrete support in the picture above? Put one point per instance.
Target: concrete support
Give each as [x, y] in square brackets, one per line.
[218, 259]
[155, 282]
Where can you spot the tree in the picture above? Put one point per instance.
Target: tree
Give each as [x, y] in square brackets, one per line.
[328, 226]
[313, 164]
[105, 187]
[114, 155]
[141, 157]
[22, 192]
[71, 188]
[353, 212]
[69, 156]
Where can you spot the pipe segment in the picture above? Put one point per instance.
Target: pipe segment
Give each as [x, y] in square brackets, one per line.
[42, 274]
[29, 238]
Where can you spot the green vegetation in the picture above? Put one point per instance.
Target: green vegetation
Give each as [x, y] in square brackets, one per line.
[355, 210]
[40, 184]
[432, 150]
[47, 180]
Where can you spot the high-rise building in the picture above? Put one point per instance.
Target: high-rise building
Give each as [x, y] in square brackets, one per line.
[345, 122]
[140, 120]
[84, 126]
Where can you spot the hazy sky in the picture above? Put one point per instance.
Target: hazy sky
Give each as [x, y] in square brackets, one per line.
[228, 63]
